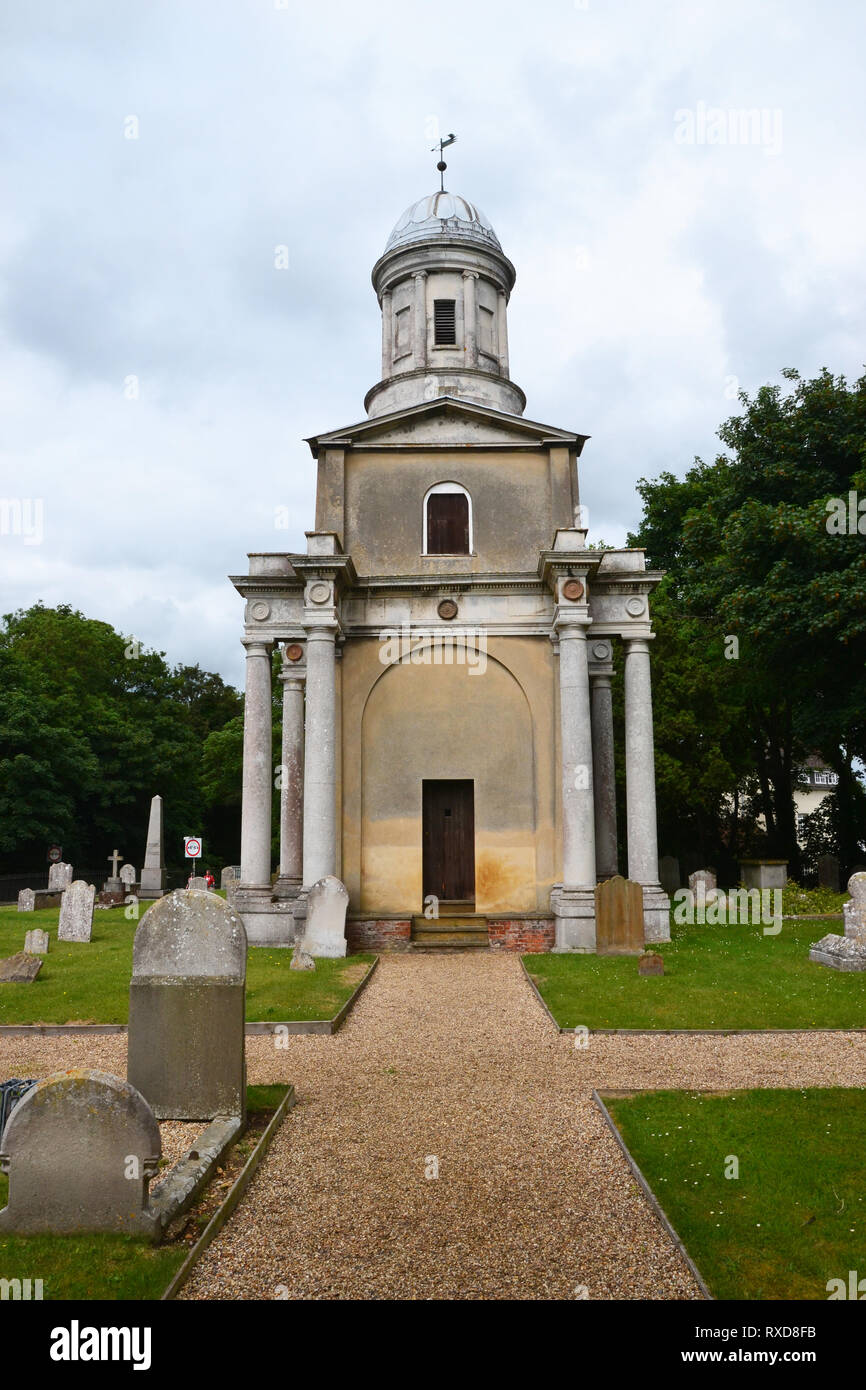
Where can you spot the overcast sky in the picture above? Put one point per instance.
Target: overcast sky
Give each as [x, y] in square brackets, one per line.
[159, 373]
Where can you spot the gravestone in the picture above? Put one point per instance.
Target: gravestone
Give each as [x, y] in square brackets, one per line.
[828, 872]
[669, 874]
[325, 926]
[198, 882]
[59, 877]
[20, 969]
[230, 874]
[36, 942]
[764, 873]
[128, 876]
[186, 1008]
[153, 874]
[705, 876]
[231, 891]
[26, 900]
[76, 912]
[846, 952]
[80, 1150]
[651, 963]
[619, 924]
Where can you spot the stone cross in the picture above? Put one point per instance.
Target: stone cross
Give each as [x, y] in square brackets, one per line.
[80, 1149]
[115, 858]
[186, 1008]
[76, 912]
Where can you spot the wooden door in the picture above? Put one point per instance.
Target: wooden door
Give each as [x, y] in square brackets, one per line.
[449, 840]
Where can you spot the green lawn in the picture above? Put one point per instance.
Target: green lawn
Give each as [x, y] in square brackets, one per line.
[89, 982]
[715, 977]
[794, 1217]
[104, 1266]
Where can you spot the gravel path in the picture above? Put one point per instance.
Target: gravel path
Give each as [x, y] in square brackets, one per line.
[451, 1056]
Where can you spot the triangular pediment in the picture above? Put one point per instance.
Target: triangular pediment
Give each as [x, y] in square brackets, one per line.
[445, 422]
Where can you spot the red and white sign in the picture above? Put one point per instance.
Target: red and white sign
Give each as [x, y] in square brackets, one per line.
[192, 846]
[55, 854]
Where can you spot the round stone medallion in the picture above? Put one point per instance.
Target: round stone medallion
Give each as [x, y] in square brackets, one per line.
[260, 611]
[572, 589]
[601, 651]
[294, 651]
[447, 609]
[635, 606]
[320, 593]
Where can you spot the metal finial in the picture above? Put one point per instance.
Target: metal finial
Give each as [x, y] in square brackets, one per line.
[442, 166]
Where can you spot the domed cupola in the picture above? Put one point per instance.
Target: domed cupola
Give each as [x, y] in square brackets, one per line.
[443, 284]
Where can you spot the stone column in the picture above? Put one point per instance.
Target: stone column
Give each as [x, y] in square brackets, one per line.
[420, 324]
[292, 786]
[470, 318]
[387, 335]
[256, 795]
[320, 770]
[502, 327]
[603, 766]
[574, 903]
[643, 857]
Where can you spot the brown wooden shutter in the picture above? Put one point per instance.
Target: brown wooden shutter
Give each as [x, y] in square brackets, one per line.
[447, 524]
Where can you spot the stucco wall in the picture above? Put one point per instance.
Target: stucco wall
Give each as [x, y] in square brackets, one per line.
[408, 722]
[513, 516]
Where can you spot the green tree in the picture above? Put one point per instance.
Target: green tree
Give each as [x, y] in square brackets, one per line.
[751, 551]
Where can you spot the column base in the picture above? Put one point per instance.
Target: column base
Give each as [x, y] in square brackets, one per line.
[656, 913]
[286, 889]
[574, 920]
[268, 921]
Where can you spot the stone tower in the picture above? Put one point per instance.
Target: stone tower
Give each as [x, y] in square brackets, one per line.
[447, 643]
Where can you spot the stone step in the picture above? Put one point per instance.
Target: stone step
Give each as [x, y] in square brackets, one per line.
[450, 924]
[451, 941]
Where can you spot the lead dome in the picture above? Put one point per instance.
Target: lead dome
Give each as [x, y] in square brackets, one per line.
[442, 214]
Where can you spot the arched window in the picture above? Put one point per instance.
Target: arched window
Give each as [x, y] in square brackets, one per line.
[448, 520]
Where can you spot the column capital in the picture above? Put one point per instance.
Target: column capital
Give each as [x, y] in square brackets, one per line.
[638, 644]
[257, 646]
[419, 275]
[292, 680]
[470, 274]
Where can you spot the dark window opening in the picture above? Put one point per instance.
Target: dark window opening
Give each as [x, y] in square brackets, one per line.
[445, 322]
[447, 523]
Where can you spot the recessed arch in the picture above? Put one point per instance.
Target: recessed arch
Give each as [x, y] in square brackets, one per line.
[447, 525]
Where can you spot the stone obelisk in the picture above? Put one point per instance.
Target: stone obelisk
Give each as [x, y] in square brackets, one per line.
[153, 873]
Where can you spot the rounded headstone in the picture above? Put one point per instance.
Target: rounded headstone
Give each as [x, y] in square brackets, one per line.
[190, 934]
[80, 1149]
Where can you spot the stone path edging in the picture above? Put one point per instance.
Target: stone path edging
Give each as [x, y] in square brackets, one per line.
[656, 1205]
[252, 1029]
[679, 1032]
[239, 1187]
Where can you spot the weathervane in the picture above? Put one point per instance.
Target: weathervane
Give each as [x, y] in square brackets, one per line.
[442, 166]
